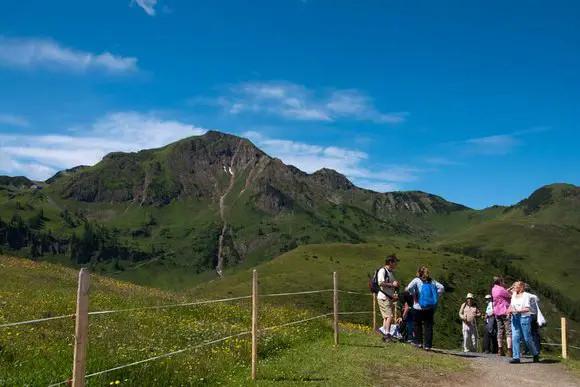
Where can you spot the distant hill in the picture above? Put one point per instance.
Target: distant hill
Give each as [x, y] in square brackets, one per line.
[15, 181]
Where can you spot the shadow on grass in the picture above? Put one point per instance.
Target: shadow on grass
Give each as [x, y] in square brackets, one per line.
[362, 345]
[295, 379]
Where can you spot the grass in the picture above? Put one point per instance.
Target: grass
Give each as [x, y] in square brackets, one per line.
[41, 354]
[360, 360]
[573, 365]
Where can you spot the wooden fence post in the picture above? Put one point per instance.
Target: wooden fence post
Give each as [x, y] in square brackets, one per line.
[374, 312]
[564, 338]
[81, 329]
[254, 325]
[335, 302]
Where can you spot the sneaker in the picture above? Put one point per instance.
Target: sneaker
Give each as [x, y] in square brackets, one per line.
[537, 359]
[515, 361]
[387, 338]
[417, 345]
[465, 350]
[427, 349]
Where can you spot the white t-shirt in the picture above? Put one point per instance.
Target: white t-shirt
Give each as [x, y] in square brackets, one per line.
[385, 277]
[520, 302]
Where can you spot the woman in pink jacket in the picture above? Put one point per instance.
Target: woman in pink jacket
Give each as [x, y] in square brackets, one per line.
[501, 303]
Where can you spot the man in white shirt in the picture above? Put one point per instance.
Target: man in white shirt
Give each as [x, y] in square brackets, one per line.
[388, 284]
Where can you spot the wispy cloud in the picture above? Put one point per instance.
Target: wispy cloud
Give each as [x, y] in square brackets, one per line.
[41, 155]
[500, 144]
[147, 5]
[350, 162]
[37, 52]
[492, 145]
[297, 102]
[441, 161]
[13, 120]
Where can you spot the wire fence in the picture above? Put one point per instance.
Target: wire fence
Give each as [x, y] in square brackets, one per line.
[252, 332]
[336, 313]
[193, 303]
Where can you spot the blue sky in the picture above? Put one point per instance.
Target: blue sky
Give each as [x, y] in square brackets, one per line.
[477, 103]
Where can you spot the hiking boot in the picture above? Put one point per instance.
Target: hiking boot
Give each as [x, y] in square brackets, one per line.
[515, 361]
[500, 351]
[537, 359]
[509, 352]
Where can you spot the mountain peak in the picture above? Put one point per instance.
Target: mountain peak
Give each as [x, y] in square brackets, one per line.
[332, 179]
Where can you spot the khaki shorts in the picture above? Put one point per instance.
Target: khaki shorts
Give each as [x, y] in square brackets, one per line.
[386, 307]
[504, 326]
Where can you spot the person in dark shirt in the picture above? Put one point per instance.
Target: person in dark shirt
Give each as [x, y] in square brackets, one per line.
[407, 320]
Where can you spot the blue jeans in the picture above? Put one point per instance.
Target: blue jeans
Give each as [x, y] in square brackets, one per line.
[522, 326]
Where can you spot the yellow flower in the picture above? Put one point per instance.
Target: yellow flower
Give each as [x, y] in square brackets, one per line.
[117, 382]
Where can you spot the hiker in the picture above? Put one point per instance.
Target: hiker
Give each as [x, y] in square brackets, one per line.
[538, 319]
[408, 315]
[388, 285]
[521, 322]
[501, 302]
[425, 292]
[490, 331]
[468, 314]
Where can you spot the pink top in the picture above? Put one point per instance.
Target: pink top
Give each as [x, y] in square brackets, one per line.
[501, 300]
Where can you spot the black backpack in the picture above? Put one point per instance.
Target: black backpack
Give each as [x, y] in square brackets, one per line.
[374, 286]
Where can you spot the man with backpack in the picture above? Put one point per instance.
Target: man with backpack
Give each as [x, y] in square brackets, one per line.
[385, 286]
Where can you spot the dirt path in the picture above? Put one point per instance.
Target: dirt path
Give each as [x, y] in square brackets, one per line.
[491, 370]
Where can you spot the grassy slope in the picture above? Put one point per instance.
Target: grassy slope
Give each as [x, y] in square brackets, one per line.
[311, 267]
[41, 354]
[551, 253]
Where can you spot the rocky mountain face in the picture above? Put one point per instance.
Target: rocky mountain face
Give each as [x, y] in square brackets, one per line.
[216, 200]
[203, 166]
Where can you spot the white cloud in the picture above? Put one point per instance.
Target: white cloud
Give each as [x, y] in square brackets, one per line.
[148, 6]
[34, 52]
[310, 158]
[491, 145]
[13, 120]
[122, 131]
[31, 170]
[297, 102]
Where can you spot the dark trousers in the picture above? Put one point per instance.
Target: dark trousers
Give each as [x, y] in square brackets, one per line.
[408, 326]
[489, 341]
[424, 319]
[535, 333]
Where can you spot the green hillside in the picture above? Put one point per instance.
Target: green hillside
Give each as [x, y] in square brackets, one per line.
[539, 237]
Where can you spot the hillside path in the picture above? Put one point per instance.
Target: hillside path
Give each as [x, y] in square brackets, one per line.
[491, 370]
